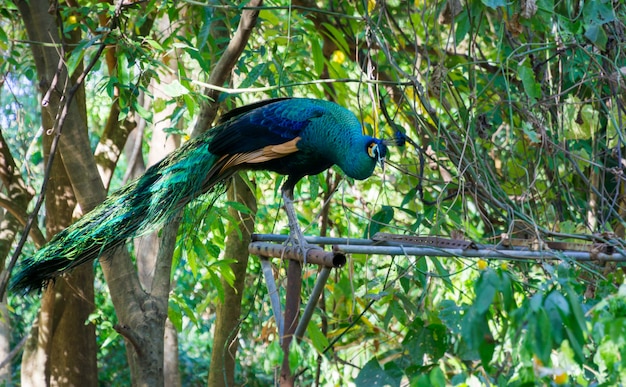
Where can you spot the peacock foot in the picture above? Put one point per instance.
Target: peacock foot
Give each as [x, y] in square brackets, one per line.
[301, 244]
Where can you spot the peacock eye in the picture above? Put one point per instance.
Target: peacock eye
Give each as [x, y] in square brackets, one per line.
[372, 150]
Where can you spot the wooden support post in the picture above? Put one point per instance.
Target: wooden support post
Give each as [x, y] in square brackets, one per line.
[292, 310]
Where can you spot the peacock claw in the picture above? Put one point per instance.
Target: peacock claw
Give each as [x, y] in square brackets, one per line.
[301, 244]
[296, 238]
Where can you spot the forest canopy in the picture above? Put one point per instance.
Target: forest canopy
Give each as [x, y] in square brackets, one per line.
[507, 125]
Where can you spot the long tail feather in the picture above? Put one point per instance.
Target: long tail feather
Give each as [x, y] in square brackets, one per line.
[140, 207]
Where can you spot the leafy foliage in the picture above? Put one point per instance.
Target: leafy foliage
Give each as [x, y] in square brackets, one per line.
[518, 113]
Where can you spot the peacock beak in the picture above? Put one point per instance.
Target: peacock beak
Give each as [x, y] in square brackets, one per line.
[382, 154]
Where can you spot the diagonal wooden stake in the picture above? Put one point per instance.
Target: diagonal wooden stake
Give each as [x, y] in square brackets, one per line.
[290, 324]
[322, 277]
[272, 290]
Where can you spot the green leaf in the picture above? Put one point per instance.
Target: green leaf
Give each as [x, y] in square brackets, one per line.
[577, 311]
[372, 374]
[410, 197]
[398, 311]
[174, 89]
[318, 56]
[4, 39]
[598, 12]
[556, 307]
[437, 378]
[575, 324]
[190, 104]
[530, 132]
[486, 287]
[531, 87]
[253, 75]
[337, 37]
[486, 350]
[238, 207]
[76, 57]
[596, 35]
[319, 341]
[536, 302]
[123, 72]
[540, 335]
[394, 371]
[421, 268]
[506, 290]
[379, 221]
[154, 44]
[576, 345]
[442, 272]
[314, 185]
[296, 356]
[275, 353]
[175, 315]
[271, 17]
[143, 112]
[194, 53]
[450, 315]
[216, 284]
[425, 339]
[478, 336]
[197, 254]
[422, 380]
[463, 25]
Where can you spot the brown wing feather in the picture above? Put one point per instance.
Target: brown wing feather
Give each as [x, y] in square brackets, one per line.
[264, 154]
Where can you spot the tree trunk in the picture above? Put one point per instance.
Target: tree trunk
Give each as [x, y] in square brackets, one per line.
[171, 372]
[65, 306]
[142, 315]
[148, 246]
[65, 353]
[222, 371]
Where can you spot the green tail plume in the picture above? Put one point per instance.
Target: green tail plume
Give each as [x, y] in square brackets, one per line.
[139, 207]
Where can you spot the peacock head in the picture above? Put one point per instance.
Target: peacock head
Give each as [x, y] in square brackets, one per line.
[360, 163]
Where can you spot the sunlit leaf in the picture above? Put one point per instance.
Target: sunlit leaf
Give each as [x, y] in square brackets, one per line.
[372, 374]
[319, 341]
[174, 89]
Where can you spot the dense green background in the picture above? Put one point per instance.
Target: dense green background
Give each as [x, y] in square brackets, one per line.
[517, 110]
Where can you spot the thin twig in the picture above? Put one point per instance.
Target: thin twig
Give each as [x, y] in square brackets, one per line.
[296, 84]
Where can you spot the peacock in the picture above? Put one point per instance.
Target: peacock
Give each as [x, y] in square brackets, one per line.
[295, 137]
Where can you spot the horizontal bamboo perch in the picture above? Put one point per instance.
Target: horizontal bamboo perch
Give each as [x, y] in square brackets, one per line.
[314, 256]
[366, 246]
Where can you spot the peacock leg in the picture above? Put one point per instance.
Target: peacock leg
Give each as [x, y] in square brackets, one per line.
[296, 237]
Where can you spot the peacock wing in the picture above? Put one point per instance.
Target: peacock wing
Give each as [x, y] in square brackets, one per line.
[270, 130]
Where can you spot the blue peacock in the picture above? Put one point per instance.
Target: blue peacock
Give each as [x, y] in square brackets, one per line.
[291, 136]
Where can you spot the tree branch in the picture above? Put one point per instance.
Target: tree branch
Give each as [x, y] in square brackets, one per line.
[221, 71]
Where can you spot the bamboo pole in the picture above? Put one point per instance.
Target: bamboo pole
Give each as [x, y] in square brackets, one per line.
[366, 246]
